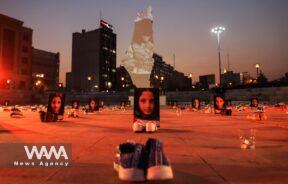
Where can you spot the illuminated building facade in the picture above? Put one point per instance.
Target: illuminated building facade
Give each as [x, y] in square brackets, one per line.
[167, 78]
[207, 81]
[15, 54]
[230, 79]
[123, 79]
[94, 59]
[45, 70]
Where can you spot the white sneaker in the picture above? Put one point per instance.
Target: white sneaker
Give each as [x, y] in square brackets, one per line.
[158, 165]
[151, 126]
[138, 126]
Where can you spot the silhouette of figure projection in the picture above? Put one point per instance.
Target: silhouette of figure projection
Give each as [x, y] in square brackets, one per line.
[138, 59]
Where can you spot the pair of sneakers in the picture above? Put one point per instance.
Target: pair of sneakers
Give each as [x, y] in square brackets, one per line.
[145, 126]
[137, 162]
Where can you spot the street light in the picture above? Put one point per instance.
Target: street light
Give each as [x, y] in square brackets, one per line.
[161, 83]
[257, 66]
[89, 78]
[218, 30]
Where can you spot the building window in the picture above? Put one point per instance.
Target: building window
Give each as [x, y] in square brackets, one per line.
[25, 49]
[22, 85]
[26, 37]
[25, 60]
[8, 50]
[24, 72]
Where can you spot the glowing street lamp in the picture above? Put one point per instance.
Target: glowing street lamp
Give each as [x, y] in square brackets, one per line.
[257, 66]
[89, 78]
[218, 30]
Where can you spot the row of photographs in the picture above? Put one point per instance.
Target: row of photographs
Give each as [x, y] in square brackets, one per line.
[146, 104]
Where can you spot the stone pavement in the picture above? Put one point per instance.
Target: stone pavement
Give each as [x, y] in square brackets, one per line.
[203, 148]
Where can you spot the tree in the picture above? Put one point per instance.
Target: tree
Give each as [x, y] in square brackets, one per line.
[262, 79]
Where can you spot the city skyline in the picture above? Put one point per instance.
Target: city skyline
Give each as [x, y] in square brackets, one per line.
[256, 31]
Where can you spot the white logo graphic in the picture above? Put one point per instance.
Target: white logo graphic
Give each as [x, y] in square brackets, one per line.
[44, 153]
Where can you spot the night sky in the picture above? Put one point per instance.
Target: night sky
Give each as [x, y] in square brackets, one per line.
[257, 30]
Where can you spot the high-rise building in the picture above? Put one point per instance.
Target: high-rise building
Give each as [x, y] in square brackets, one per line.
[123, 79]
[246, 78]
[230, 79]
[94, 59]
[15, 54]
[207, 81]
[69, 81]
[166, 77]
[45, 69]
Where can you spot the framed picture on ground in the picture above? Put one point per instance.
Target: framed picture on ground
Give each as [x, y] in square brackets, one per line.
[56, 104]
[146, 104]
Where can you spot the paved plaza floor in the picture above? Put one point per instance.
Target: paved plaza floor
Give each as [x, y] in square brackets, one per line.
[203, 148]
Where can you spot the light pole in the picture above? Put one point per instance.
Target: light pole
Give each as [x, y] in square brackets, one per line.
[191, 76]
[257, 66]
[218, 30]
[161, 82]
[89, 79]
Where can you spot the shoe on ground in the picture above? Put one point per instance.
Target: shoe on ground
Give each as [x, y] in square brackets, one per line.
[138, 126]
[158, 166]
[151, 126]
[130, 162]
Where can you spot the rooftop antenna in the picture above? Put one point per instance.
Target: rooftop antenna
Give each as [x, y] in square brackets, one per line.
[174, 61]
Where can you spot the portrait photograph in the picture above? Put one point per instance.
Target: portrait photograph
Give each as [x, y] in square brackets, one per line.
[254, 102]
[219, 102]
[196, 103]
[146, 104]
[75, 104]
[56, 103]
[93, 105]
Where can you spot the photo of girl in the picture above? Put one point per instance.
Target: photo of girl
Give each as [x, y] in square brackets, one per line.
[75, 104]
[220, 106]
[146, 110]
[219, 103]
[254, 102]
[56, 105]
[75, 109]
[55, 109]
[146, 104]
[196, 104]
[93, 105]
